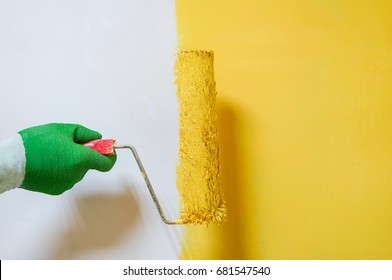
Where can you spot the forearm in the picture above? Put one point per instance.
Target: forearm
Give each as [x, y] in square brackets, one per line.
[12, 163]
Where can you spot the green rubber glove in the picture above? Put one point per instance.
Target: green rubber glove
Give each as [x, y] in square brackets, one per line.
[55, 161]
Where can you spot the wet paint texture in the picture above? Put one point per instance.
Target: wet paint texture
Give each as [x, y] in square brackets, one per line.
[305, 127]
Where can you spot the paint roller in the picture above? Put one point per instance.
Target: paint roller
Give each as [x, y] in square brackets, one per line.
[201, 197]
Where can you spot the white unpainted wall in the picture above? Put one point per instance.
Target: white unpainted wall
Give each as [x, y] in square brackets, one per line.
[107, 65]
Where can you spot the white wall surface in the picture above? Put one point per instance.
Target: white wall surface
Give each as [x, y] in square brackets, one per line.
[107, 65]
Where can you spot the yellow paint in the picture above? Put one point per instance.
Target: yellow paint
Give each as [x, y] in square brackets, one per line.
[198, 169]
[305, 127]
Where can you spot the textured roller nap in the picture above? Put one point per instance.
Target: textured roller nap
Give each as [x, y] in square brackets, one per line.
[198, 168]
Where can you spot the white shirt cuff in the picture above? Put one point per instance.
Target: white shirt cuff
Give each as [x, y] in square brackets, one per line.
[12, 163]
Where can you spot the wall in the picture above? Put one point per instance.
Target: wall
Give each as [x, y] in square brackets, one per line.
[304, 91]
[304, 122]
[108, 66]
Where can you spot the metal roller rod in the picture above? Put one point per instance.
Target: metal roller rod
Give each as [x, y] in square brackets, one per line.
[148, 183]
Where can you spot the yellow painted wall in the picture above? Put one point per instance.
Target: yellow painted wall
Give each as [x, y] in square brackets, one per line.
[305, 123]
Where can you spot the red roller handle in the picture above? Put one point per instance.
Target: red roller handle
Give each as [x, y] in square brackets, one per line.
[102, 146]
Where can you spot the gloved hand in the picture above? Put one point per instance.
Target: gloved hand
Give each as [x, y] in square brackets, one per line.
[55, 161]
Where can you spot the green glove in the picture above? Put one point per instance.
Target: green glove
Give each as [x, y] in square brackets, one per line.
[55, 161]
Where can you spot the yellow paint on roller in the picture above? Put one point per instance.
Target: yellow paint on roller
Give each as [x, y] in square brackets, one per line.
[198, 169]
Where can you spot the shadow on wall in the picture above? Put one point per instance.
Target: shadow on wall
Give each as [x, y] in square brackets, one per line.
[231, 234]
[102, 221]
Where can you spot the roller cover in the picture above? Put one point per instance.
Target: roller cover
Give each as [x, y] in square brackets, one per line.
[198, 181]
